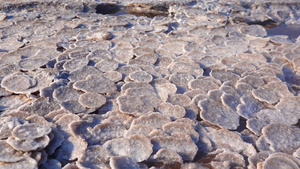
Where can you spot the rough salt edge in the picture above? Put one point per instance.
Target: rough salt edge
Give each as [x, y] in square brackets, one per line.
[39, 130]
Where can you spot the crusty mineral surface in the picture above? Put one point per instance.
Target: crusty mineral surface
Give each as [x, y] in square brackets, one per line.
[149, 84]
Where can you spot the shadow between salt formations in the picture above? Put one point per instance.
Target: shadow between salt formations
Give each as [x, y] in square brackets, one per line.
[138, 9]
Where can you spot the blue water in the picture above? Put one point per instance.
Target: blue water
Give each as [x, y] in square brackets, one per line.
[292, 31]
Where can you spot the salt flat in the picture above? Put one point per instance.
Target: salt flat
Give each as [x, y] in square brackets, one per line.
[149, 84]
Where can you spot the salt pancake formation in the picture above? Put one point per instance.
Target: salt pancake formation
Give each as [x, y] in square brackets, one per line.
[149, 84]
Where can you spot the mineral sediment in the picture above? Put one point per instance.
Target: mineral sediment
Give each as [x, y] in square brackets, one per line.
[149, 84]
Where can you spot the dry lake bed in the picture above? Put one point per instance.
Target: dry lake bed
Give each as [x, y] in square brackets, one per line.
[159, 84]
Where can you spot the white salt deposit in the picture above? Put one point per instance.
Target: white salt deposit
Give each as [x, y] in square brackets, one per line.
[149, 84]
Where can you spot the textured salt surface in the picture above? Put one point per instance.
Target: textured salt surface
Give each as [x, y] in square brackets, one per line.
[149, 84]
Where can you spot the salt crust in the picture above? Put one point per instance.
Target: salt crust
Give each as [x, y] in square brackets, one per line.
[225, 159]
[174, 112]
[7, 124]
[82, 129]
[214, 136]
[249, 107]
[166, 156]
[255, 82]
[258, 158]
[30, 131]
[71, 148]
[280, 161]
[149, 58]
[119, 162]
[186, 67]
[266, 95]
[63, 122]
[33, 63]
[254, 30]
[140, 91]
[101, 35]
[6, 70]
[281, 138]
[40, 120]
[156, 120]
[255, 125]
[11, 83]
[179, 99]
[75, 63]
[130, 147]
[28, 162]
[179, 143]
[28, 145]
[92, 100]
[107, 131]
[122, 55]
[55, 142]
[82, 72]
[204, 85]
[94, 157]
[288, 105]
[181, 78]
[106, 65]
[12, 102]
[140, 76]
[143, 104]
[113, 76]
[8, 154]
[194, 93]
[224, 75]
[176, 127]
[64, 93]
[97, 84]
[188, 62]
[73, 106]
[230, 101]
[40, 157]
[139, 129]
[164, 90]
[275, 116]
[216, 113]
